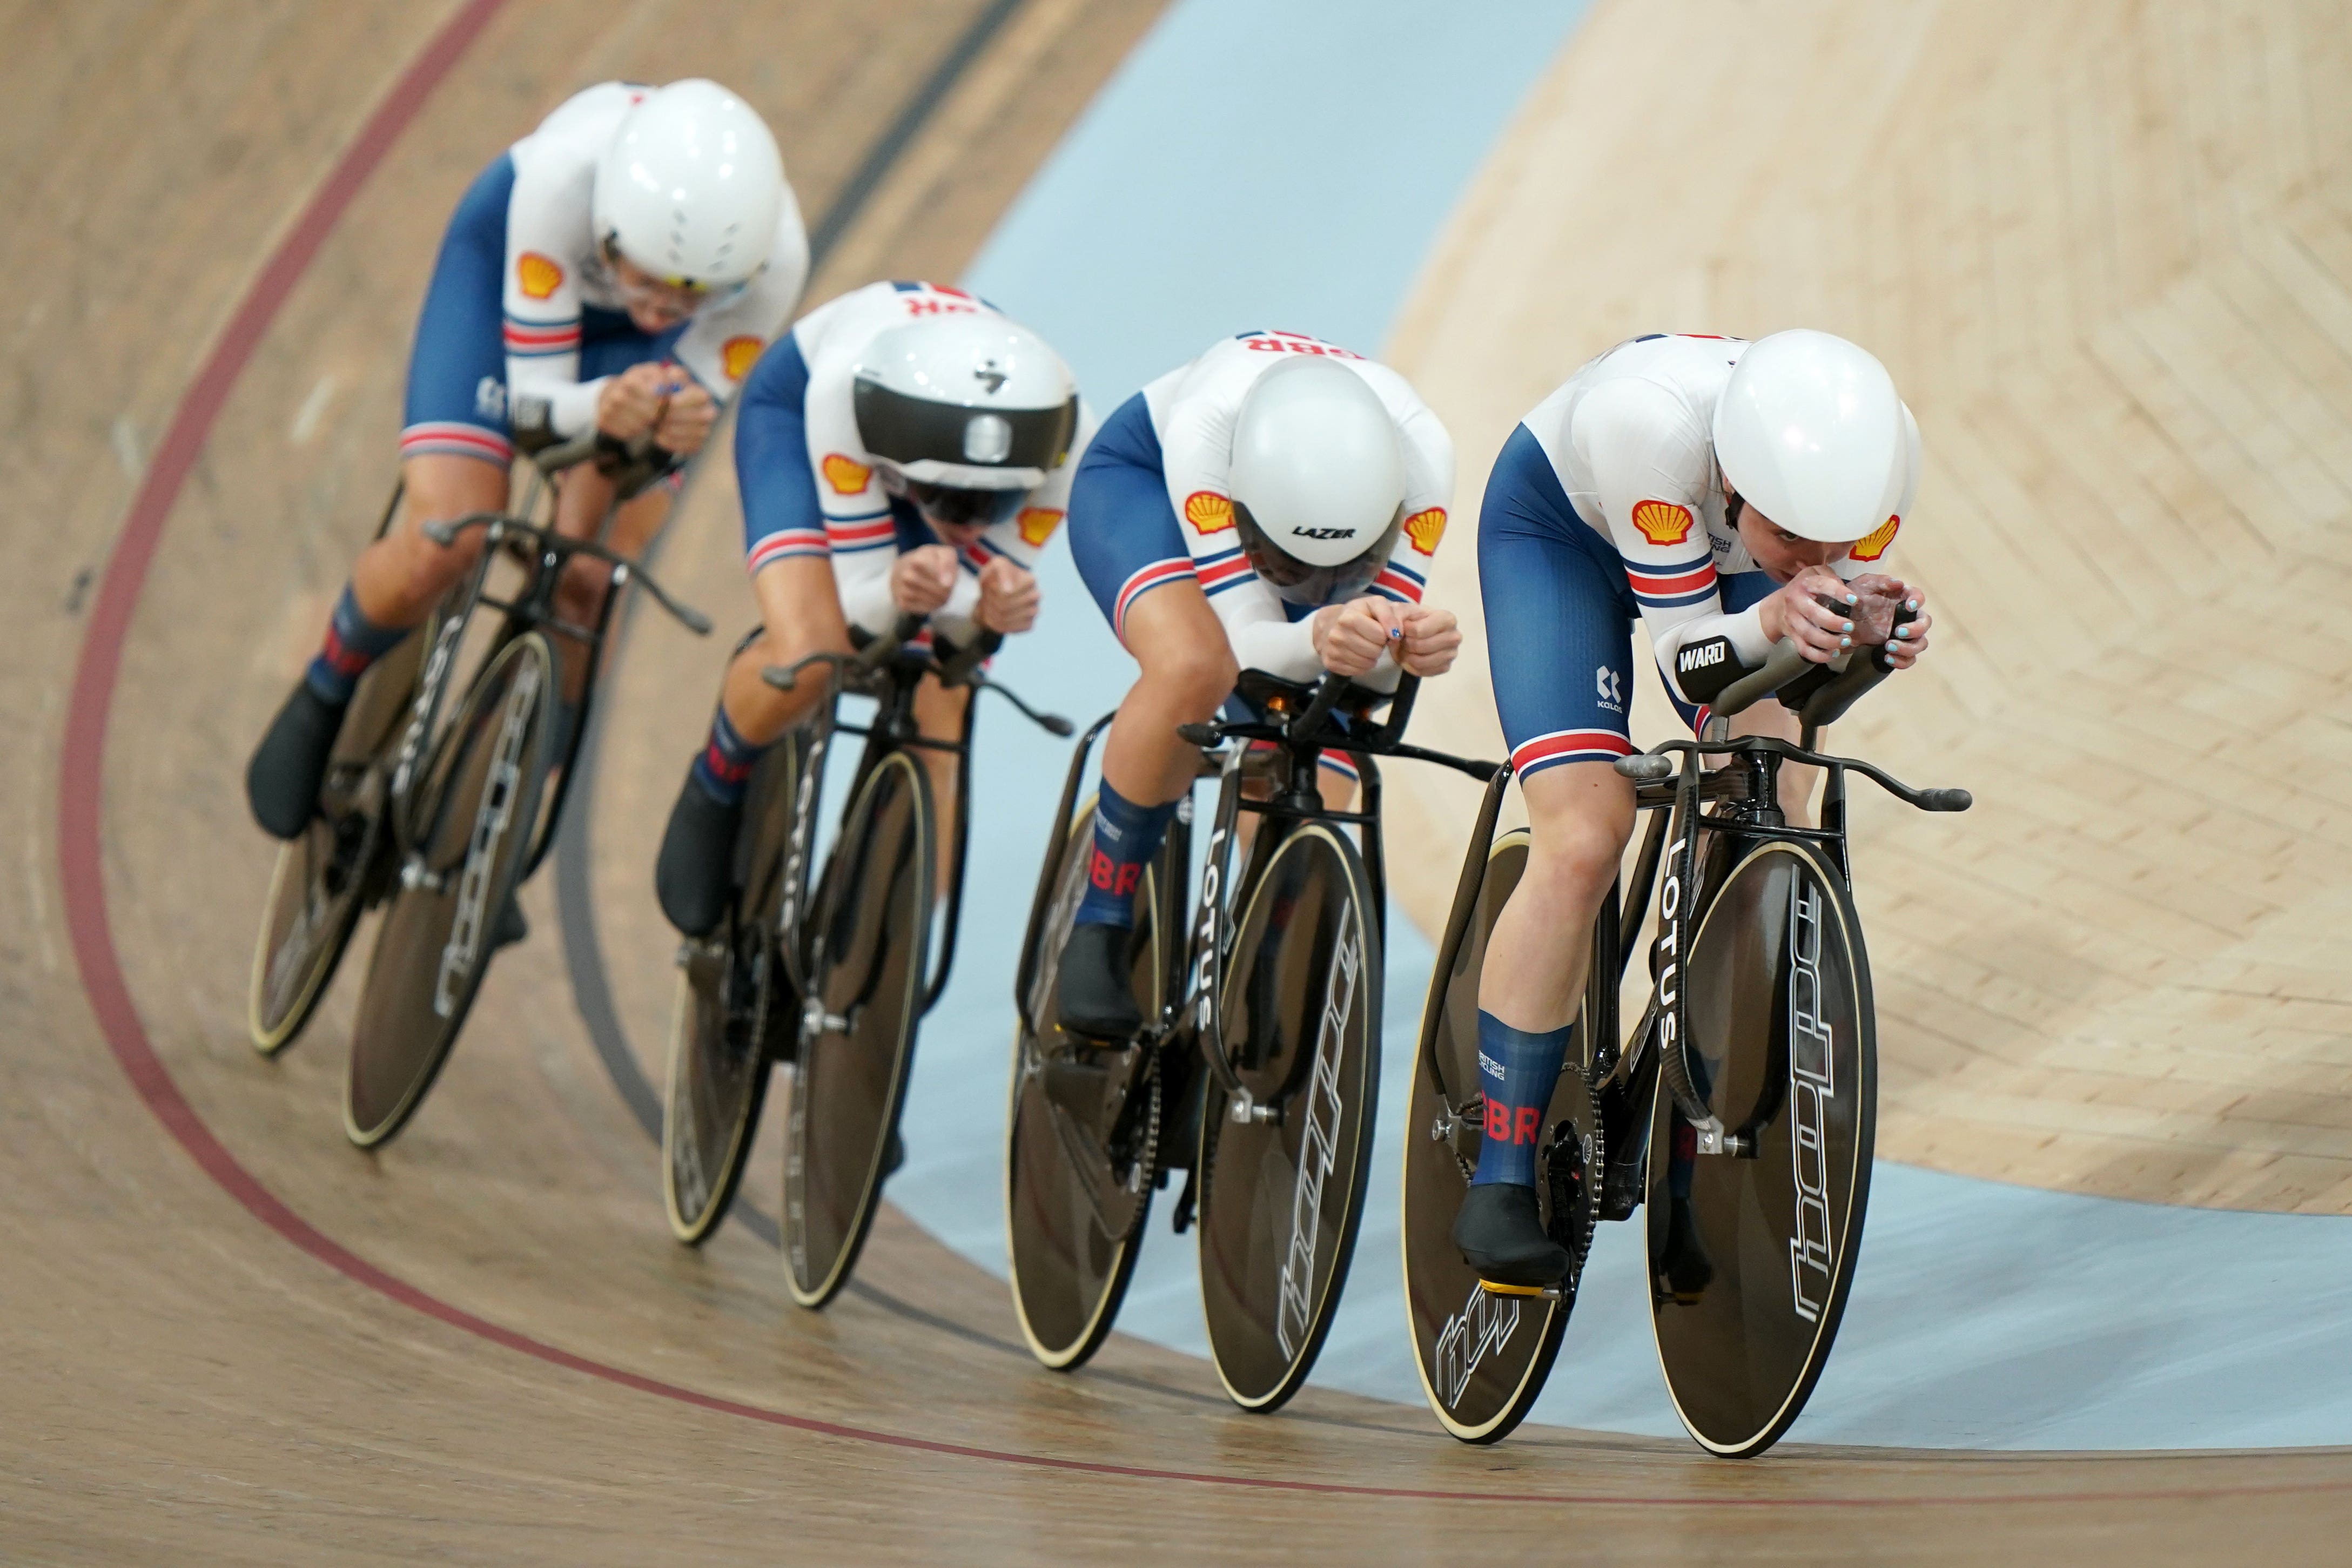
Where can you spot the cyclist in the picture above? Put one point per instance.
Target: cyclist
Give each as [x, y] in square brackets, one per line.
[1270, 505]
[619, 268]
[1728, 494]
[906, 449]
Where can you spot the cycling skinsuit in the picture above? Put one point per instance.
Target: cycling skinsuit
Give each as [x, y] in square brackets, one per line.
[1605, 505]
[522, 302]
[810, 488]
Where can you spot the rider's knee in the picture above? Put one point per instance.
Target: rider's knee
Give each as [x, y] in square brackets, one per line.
[1196, 676]
[1576, 852]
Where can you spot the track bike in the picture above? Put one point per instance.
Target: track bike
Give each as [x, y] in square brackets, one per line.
[1738, 1115]
[1257, 1070]
[438, 802]
[831, 982]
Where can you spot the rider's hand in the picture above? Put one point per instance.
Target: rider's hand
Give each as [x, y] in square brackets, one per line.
[922, 579]
[1910, 640]
[1351, 638]
[1431, 641]
[1821, 633]
[685, 422]
[1008, 597]
[629, 403]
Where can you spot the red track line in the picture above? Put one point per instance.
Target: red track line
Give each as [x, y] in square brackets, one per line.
[82, 777]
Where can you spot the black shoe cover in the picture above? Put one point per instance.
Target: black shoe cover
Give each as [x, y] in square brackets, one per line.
[1501, 1234]
[511, 928]
[695, 876]
[281, 782]
[893, 1155]
[1093, 994]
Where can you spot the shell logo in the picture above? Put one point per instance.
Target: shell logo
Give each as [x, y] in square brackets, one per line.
[1425, 529]
[846, 476]
[539, 274]
[1662, 522]
[738, 355]
[1208, 511]
[1037, 524]
[1871, 546]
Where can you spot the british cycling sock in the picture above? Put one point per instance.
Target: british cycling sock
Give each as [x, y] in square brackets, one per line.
[1126, 838]
[723, 768]
[1517, 1072]
[353, 643]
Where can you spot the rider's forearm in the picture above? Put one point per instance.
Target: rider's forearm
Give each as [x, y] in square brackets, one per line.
[1284, 649]
[867, 603]
[572, 405]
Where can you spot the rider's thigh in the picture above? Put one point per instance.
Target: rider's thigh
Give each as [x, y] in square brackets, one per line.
[579, 513]
[401, 575]
[1580, 818]
[1187, 661]
[800, 614]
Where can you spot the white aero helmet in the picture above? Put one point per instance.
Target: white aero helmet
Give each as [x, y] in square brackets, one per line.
[1317, 480]
[691, 186]
[1810, 431]
[966, 412]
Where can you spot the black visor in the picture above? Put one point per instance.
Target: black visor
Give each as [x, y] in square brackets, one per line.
[909, 429]
[1302, 583]
[951, 506]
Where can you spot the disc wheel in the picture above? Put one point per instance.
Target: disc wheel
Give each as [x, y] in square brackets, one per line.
[1280, 1198]
[1751, 1257]
[322, 880]
[868, 956]
[1077, 1186]
[1483, 1357]
[473, 808]
[736, 1014]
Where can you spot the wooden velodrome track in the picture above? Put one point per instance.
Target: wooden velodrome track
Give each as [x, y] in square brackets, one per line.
[229, 1337]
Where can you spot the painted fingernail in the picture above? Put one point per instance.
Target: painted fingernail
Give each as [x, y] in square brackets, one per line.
[1850, 599]
[1847, 627]
[1903, 631]
[1845, 642]
[1912, 605]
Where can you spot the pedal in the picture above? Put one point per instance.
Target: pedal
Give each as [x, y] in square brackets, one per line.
[1497, 1288]
[1075, 1084]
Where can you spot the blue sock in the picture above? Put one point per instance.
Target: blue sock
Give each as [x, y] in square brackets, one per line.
[1517, 1072]
[353, 643]
[724, 766]
[1126, 838]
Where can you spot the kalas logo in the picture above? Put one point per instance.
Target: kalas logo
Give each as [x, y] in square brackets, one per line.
[539, 276]
[846, 476]
[738, 355]
[1037, 525]
[1662, 522]
[1425, 529]
[1874, 545]
[1208, 511]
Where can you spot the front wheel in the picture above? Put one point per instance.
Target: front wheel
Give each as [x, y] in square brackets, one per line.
[737, 1013]
[1281, 1193]
[869, 953]
[473, 808]
[1751, 1253]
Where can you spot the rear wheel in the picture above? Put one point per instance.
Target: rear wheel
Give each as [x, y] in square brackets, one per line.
[1483, 1357]
[869, 953]
[322, 879]
[736, 1014]
[1280, 1198]
[473, 808]
[1751, 1257]
[1083, 1145]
